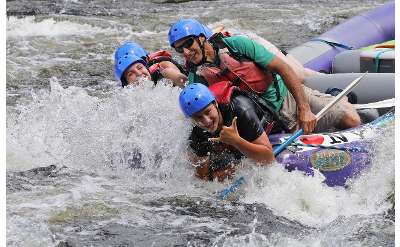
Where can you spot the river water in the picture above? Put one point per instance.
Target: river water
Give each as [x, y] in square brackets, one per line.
[89, 164]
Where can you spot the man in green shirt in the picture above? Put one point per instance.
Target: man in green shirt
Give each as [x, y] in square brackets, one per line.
[250, 66]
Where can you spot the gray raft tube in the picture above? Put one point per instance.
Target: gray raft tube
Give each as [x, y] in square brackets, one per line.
[372, 88]
[375, 26]
[357, 61]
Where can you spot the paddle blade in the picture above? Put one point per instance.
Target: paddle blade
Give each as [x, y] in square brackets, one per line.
[232, 188]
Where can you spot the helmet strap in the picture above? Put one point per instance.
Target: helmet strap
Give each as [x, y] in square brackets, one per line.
[203, 53]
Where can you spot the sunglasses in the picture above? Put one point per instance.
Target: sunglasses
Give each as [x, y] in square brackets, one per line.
[187, 44]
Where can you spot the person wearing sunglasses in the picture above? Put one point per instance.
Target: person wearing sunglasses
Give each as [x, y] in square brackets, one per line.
[212, 58]
[132, 62]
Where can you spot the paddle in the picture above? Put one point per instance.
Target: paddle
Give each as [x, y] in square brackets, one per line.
[376, 105]
[224, 193]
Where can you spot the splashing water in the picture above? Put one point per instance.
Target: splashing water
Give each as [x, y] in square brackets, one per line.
[89, 164]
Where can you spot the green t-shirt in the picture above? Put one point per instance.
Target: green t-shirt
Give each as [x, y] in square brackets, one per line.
[261, 56]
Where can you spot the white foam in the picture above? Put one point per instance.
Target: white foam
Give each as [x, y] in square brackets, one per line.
[28, 26]
[309, 201]
[69, 127]
[38, 234]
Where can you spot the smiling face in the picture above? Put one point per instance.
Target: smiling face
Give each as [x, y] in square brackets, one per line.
[134, 72]
[190, 48]
[208, 119]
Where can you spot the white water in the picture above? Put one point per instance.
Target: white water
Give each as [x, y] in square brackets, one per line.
[96, 138]
[30, 26]
[69, 127]
[307, 200]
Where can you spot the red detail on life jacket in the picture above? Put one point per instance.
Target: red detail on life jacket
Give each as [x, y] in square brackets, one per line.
[312, 139]
[154, 59]
[158, 55]
[245, 74]
[222, 91]
[154, 68]
[227, 34]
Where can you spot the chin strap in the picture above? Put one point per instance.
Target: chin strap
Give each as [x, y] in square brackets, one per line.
[193, 66]
[203, 53]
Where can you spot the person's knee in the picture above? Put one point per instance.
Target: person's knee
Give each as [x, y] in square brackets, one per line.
[350, 120]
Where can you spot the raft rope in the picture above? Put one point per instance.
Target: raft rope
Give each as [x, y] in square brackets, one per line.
[353, 149]
[334, 44]
[377, 58]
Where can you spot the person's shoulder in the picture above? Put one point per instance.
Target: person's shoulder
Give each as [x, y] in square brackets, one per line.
[244, 45]
[242, 103]
[237, 41]
[248, 121]
[237, 38]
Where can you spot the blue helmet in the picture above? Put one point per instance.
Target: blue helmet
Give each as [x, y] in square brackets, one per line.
[187, 27]
[207, 31]
[194, 98]
[130, 48]
[126, 55]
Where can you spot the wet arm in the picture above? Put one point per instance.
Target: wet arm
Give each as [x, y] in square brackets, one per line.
[306, 118]
[292, 81]
[259, 150]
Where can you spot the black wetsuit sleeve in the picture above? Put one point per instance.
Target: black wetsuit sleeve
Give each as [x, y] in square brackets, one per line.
[198, 142]
[248, 120]
[220, 154]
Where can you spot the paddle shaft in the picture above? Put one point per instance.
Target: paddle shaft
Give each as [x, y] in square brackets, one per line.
[345, 91]
[236, 184]
[320, 114]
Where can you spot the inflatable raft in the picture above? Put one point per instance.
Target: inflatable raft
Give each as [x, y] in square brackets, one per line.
[375, 26]
[344, 154]
[379, 58]
[374, 86]
[338, 155]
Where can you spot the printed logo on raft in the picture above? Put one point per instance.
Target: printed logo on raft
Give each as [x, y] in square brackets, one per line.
[330, 160]
[332, 139]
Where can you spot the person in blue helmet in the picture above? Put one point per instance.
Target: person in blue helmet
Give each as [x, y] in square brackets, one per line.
[228, 126]
[132, 61]
[245, 63]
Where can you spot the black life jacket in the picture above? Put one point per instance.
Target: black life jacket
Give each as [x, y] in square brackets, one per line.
[271, 120]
